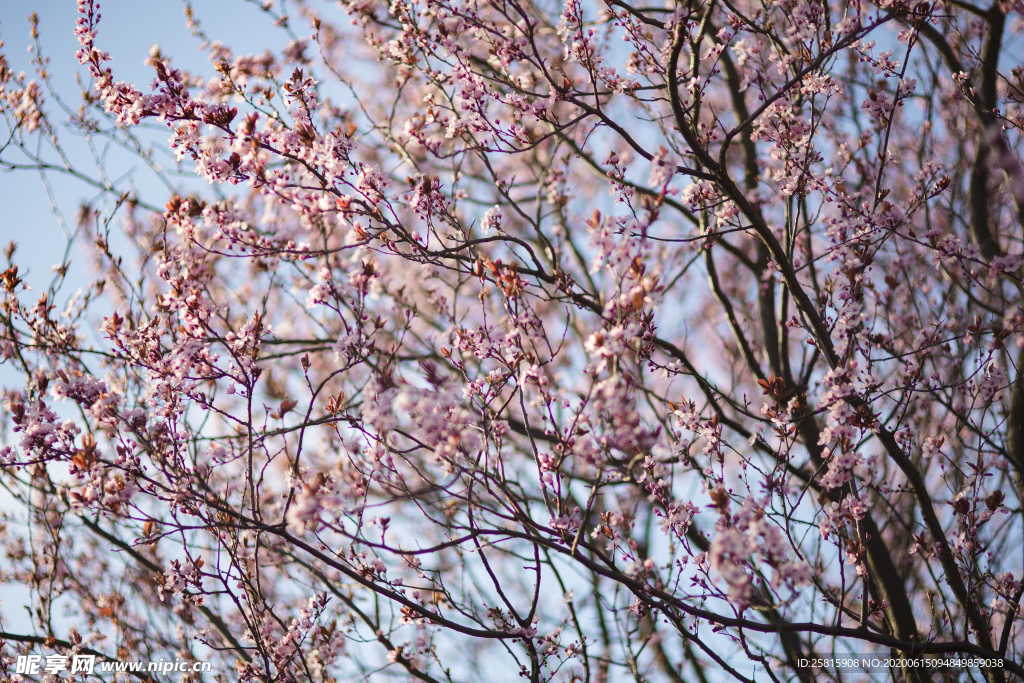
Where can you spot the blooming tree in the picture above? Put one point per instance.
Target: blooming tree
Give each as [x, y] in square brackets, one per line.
[519, 339]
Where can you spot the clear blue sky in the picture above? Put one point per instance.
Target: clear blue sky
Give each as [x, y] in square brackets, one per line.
[127, 30]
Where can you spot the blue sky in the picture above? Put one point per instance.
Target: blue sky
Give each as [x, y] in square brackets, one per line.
[127, 30]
